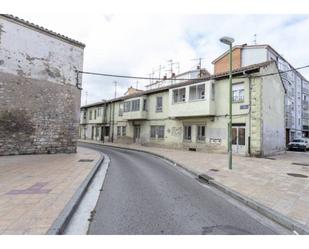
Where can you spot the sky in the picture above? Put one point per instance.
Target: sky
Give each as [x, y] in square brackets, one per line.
[137, 44]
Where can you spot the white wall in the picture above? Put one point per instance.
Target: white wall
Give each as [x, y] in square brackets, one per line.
[251, 56]
[31, 53]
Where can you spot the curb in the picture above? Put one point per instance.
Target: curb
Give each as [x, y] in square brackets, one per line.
[260, 208]
[64, 217]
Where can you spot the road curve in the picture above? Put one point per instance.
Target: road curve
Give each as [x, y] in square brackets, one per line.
[143, 194]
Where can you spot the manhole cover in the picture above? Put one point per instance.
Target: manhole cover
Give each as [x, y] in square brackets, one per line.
[215, 170]
[297, 175]
[85, 160]
[301, 164]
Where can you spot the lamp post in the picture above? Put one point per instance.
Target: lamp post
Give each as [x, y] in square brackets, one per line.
[229, 41]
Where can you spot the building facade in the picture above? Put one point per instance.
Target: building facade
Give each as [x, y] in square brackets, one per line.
[193, 115]
[296, 86]
[39, 97]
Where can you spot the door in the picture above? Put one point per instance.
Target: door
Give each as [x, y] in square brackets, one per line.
[136, 133]
[239, 139]
[92, 132]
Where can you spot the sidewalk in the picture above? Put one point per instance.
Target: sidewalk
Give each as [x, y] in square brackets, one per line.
[263, 180]
[34, 189]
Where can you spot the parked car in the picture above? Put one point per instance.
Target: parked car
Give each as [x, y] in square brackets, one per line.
[299, 144]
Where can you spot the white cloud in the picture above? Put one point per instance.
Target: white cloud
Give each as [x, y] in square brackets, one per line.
[136, 44]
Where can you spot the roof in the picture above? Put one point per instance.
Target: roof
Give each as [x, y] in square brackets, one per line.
[248, 69]
[42, 29]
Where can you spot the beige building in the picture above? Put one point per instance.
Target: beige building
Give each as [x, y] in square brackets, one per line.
[193, 115]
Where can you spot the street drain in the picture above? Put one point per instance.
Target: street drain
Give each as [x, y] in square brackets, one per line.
[297, 175]
[85, 160]
[270, 158]
[301, 164]
[215, 170]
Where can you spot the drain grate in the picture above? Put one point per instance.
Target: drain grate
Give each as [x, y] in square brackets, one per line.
[301, 164]
[85, 160]
[215, 170]
[270, 158]
[297, 175]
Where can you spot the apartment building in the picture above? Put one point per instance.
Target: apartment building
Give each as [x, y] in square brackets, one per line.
[39, 97]
[193, 114]
[296, 86]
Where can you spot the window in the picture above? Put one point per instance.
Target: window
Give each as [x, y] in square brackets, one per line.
[144, 104]
[197, 92]
[135, 105]
[201, 132]
[90, 115]
[187, 133]
[124, 131]
[179, 95]
[213, 91]
[238, 92]
[85, 114]
[95, 114]
[159, 104]
[118, 131]
[120, 111]
[126, 106]
[157, 131]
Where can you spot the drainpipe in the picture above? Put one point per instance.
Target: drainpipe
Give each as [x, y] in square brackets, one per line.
[113, 122]
[250, 96]
[110, 121]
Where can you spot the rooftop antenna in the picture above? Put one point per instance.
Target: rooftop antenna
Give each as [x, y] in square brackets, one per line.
[199, 65]
[254, 41]
[115, 82]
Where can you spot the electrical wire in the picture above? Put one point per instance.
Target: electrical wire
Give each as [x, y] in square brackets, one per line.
[162, 79]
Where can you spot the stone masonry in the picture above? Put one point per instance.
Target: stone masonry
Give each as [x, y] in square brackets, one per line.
[39, 99]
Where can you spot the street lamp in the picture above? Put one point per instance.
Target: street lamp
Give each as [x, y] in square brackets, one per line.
[229, 41]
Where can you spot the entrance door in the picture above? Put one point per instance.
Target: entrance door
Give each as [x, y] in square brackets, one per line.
[136, 133]
[239, 139]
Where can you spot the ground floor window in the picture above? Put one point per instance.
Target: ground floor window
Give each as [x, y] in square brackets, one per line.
[121, 131]
[187, 132]
[201, 132]
[157, 131]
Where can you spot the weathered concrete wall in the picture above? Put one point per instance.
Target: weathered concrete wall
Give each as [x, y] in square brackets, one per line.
[39, 102]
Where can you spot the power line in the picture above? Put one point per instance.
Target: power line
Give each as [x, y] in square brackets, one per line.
[161, 79]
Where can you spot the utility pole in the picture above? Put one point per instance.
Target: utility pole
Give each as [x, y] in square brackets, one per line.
[137, 84]
[254, 41]
[115, 82]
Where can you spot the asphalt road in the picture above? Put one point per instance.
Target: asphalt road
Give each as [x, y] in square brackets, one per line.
[143, 194]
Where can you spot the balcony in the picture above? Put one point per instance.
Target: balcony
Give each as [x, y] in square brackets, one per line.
[192, 101]
[135, 109]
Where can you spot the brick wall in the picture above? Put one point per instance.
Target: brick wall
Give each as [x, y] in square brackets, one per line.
[222, 65]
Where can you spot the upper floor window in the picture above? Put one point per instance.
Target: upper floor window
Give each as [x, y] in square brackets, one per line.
[144, 104]
[238, 92]
[95, 114]
[85, 114]
[159, 104]
[120, 111]
[179, 95]
[90, 115]
[135, 105]
[197, 92]
[127, 106]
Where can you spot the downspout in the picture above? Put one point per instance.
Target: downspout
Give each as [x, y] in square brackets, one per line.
[113, 122]
[250, 96]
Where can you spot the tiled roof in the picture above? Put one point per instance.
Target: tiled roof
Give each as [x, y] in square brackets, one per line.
[241, 70]
[32, 25]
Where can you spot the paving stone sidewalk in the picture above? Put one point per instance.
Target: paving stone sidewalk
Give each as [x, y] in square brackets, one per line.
[263, 180]
[34, 189]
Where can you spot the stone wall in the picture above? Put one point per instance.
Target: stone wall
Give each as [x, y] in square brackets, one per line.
[37, 116]
[39, 100]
